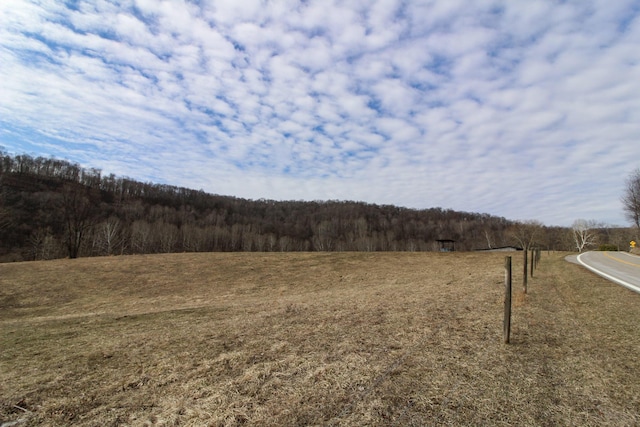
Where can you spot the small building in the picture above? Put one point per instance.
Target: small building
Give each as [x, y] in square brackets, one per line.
[446, 245]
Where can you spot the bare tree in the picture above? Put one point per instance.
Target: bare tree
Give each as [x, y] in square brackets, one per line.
[584, 234]
[5, 219]
[140, 237]
[109, 235]
[618, 236]
[272, 242]
[285, 243]
[488, 237]
[526, 233]
[221, 237]
[631, 198]
[236, 237]
[193, 238]
[166, 235]
[44, 245]
[323, 238]
[80, 205]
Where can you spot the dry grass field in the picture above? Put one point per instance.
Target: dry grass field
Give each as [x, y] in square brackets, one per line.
[329, 339]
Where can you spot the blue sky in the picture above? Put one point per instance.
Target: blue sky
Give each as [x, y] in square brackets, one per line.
[521, 109]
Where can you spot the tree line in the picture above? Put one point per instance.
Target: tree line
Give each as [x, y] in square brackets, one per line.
[51, 208]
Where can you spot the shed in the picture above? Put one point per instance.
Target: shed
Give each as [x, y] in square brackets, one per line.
[446, 245]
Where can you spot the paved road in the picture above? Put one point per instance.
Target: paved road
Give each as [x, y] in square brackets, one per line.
[619, 267]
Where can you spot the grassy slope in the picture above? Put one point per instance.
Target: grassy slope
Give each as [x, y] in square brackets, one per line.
[313, 339]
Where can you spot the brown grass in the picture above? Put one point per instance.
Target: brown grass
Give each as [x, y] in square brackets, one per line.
[335, 339]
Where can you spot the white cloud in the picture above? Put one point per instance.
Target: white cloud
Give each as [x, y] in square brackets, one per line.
[419, 104]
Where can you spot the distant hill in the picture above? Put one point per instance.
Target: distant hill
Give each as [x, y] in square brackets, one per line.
[52, 208]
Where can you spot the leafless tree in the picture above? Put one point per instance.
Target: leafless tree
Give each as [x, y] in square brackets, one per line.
[5, 218]
[324, 236]
[81, 209]
[221, 237]
[195, 238]
[285, 244]
[631, 198]
[526, 233]
[109, 235]
[618, 236]
[166, 236]
[236, 237]
[584, 233]
[44, 245]
[140, 237]
[272, 242]
[487, 236]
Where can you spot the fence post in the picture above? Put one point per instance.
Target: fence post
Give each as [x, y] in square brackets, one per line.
[533, 261]
[507, 299]
[524, 278]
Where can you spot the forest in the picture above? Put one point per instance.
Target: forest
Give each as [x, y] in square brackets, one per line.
[51, 208]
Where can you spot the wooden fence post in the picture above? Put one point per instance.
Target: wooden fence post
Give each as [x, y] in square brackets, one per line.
[533, 261]
[507, 299]
[524, 277]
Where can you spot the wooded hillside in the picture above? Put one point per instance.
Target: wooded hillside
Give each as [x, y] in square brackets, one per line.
[52, 208]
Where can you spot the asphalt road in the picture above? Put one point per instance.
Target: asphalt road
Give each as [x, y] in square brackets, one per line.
[619, 267]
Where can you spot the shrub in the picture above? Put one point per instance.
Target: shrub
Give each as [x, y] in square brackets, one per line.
[608, 247]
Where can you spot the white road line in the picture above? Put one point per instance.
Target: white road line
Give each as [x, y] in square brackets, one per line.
[613, 279]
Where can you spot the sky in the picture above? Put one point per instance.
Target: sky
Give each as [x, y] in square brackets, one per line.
[528, 110]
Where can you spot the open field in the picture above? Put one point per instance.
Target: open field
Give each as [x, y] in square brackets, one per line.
[335, 339]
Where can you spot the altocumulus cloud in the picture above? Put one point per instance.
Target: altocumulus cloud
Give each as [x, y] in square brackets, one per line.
[528, 110]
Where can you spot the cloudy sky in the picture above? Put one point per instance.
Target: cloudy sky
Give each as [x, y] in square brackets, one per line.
[522, 109]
